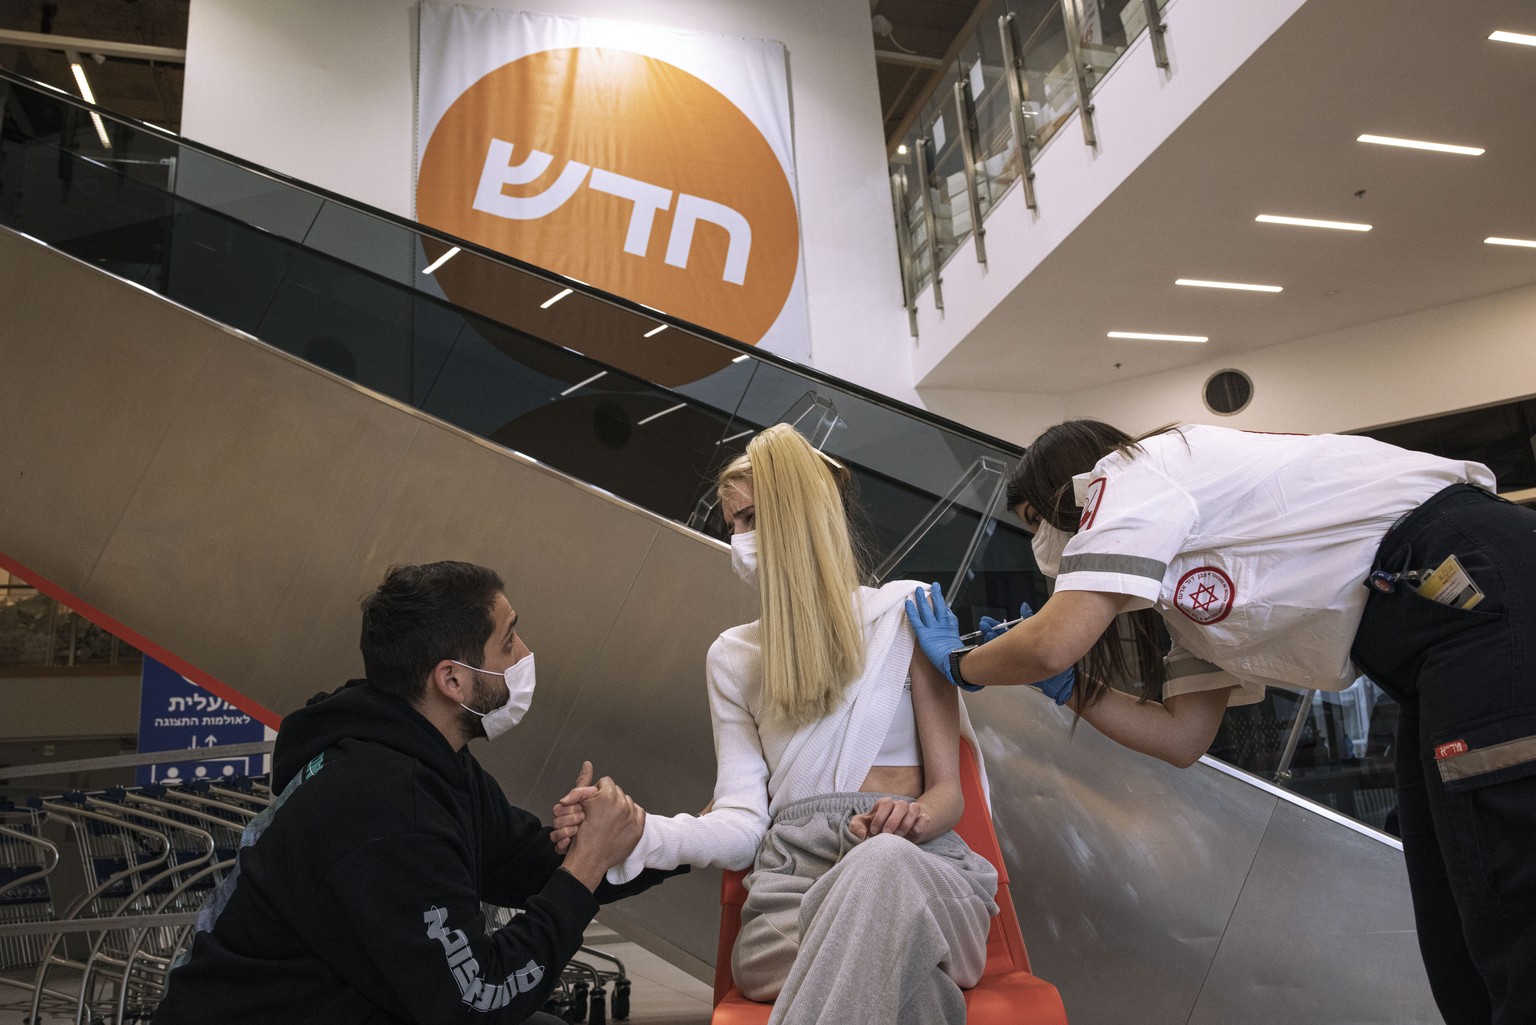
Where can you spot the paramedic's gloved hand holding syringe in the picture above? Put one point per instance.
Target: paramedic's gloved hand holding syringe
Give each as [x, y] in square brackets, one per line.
[1300, 561]
[931, 620]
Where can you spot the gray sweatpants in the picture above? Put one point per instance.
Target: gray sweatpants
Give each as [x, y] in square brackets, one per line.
[880, 931]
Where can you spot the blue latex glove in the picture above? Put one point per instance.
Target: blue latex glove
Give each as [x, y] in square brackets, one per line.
[937, 629]
[991, 629]
[1059, 687]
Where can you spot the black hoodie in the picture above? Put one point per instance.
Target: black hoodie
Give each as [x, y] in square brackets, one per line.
[358, 897]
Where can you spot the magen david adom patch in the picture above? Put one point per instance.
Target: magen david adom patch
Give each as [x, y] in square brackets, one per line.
[1205, 595]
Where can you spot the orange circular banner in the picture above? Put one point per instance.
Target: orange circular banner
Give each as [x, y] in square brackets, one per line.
[625, 172]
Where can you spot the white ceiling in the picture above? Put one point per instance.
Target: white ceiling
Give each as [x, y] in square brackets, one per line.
[1279, 137]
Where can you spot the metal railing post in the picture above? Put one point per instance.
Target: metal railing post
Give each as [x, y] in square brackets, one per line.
[930, 222]
[965, 112]
[1157, 28]
[904, 248]
[1023, 138]
[1071, 12]
[1283, 770]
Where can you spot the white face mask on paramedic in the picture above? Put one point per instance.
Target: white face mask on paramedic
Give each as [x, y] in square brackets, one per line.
[744, 555]
[1048, 544]
[520, 683]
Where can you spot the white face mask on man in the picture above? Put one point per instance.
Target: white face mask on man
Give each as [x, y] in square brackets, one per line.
[744, 555]
[1048, 544]
[520, 683]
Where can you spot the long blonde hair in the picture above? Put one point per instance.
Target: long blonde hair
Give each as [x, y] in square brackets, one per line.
[811, 631]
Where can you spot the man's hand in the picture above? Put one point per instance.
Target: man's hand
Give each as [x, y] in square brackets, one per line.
[907, 819]
[612, 824]
[568, 810]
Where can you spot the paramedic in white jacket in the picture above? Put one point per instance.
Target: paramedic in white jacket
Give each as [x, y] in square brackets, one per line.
[1303, 561]
[838, 777]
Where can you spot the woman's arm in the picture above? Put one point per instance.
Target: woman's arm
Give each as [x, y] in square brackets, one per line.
[1046, 643]
[936, 707]
[1178, 730]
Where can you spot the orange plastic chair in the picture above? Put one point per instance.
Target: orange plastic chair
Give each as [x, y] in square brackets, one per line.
[1007, 993]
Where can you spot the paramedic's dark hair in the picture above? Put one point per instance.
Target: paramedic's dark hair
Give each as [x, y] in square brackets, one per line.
[421, 615]
[1131, 649]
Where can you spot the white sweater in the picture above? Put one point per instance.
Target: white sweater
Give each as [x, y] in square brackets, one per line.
[763, 763]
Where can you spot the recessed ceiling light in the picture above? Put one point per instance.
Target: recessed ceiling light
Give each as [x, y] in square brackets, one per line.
[658, 329]
[1158, 338]
[89, 96]
[1309, 222]
[1438, 147]
[1495, 241]
[547, 303]
[1513, 37]
[1239, 286]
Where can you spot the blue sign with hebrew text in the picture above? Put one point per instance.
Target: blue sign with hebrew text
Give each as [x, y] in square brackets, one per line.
[176, 714]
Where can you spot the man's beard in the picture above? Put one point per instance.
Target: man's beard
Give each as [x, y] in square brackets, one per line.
[482, 699]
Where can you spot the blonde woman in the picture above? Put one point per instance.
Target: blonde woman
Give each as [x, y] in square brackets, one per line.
[838, 780]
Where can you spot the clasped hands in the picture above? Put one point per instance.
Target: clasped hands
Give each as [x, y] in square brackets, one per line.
[602, 809]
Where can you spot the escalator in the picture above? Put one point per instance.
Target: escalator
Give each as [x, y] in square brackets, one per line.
[235, 399]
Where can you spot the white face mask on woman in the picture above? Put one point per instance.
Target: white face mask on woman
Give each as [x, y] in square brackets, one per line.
[1048, 544]
[744, 555]
[520, 683]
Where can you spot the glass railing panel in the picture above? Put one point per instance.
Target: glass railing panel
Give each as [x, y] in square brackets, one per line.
[987, 72]
[1343, 755]
[1108, 29]
[243, 195]
[1101, 33]
[910, 200]
[207, 250]
[943, 157]
[38, 633]
[1048, 86]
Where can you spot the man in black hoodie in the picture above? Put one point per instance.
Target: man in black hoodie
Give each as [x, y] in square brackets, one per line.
[356, 896]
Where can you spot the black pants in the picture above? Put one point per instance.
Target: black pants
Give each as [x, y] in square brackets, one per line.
[1466, 749]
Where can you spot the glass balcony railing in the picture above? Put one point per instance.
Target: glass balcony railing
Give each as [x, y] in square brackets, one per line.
[1017, 79]
[39, 634]
[625, 398]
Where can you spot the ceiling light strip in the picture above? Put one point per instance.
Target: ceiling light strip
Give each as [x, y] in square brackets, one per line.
[1502, 36]
[1494, 240]
[1311, 222]
[1235, 285]
[1158, 338]
[1437, 147]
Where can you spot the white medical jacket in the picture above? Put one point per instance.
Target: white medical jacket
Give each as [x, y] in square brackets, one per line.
[1254, 548]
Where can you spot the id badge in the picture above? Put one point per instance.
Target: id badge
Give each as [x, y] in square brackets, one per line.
[1449, 584]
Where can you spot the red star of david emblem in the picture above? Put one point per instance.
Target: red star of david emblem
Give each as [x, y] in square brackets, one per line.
[1203, 598]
